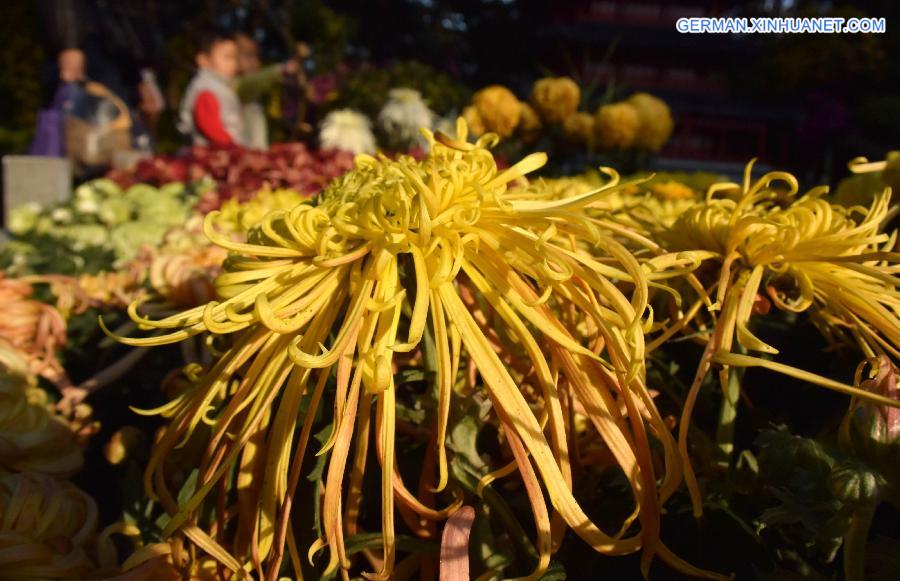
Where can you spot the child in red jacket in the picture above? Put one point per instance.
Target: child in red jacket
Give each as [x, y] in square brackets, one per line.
[210, 111]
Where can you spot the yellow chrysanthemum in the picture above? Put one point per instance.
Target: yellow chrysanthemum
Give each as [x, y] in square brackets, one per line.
[529, 124]
[46, 528]
[800, 255]
[651, 215]
[571, 186]
[31, 436]
[672, 190]
[183, 269]
[616, 126]
[870, 178]
[555, 98]
[529, 120]
[112, 289]
[579, 127]
[333, 293]
[655, 205]
[498, 108]
[643, 206]
[185, 279]
[889, 168]
[655, 119]
[239, 216]
[474, 121]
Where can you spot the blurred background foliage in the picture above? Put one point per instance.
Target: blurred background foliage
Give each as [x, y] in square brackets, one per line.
[828, 84]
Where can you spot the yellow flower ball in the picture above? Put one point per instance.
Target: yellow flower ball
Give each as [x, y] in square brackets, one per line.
[616, 126]
[556, 98]
[672, 190]
[529, 122]
[473, 119]
[579, 127]
[498, 108]
[656, 121]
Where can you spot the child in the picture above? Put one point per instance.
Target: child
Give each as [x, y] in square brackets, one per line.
[254, 82]
[210, 110]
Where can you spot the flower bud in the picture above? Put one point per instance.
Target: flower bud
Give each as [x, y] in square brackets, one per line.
[879, 423]
[871, 431]
[852, 482]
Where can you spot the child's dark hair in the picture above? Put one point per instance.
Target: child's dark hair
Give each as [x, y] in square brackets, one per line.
[207, 38]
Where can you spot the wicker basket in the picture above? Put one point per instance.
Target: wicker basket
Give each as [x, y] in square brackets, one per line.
[91, 145]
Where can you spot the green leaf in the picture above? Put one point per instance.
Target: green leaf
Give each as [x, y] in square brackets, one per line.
[319, 467]
[555, 572]
[409, 376]
[189, 486]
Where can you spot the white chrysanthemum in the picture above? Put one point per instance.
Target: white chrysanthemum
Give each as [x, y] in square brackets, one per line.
[348, 130]
[446, 125]
[404, 115]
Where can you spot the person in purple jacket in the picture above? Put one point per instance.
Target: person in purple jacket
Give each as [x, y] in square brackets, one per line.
[69, 97]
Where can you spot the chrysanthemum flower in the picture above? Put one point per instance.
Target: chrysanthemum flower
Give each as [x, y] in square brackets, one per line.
[555, 98]
[239, 216]
[649, 214]
[875, 433]
[498, 108]
[185, 279]
[339, 289]
[474, 121]
[404, 114]
[652, 207]
[529, 122]
[23, 218]
[869, 179]
[46, 529]
[616, 126]
[571, 186]
[579, 127]
[656, 121]
[800, 255]
[672, 190]
[347, 130]
[32, 437]
[888, 168]
[183, 268]
[112, 289]
[31, 327]
[130, 238]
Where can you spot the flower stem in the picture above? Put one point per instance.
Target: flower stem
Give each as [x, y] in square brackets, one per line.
[731, 394]
[855, 543]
